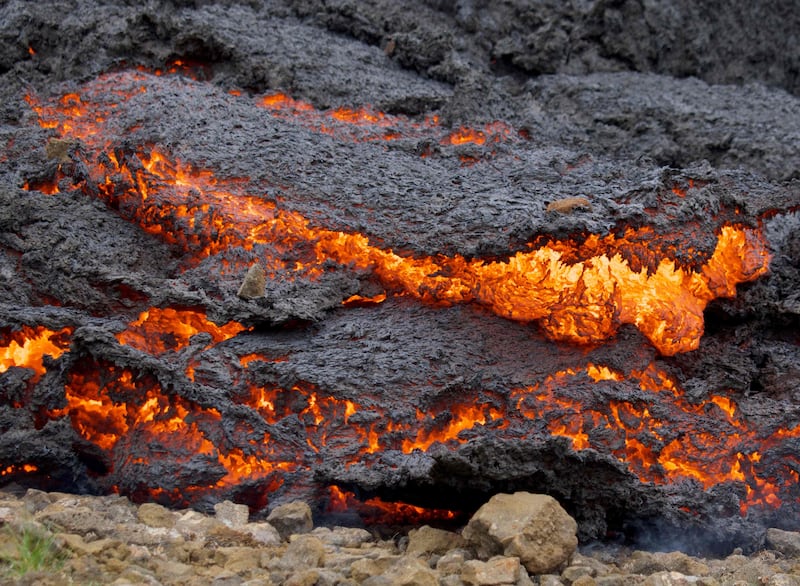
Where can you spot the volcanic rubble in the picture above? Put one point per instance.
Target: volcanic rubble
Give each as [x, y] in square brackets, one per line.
[550, 248]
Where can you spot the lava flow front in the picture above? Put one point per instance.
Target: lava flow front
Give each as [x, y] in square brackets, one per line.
[179, 410]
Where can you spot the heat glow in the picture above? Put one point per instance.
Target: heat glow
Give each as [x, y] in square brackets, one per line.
[577, 290]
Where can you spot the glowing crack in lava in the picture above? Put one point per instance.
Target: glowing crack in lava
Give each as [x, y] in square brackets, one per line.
[27, 347]
[577, 290]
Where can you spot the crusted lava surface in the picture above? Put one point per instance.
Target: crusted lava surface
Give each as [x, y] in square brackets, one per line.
[503, 249]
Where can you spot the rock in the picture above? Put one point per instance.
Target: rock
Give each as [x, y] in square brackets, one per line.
[498, 570]
[237, 559]
[532, 527]
[669, 579]
[783, 580]
[427, 540]
[291, 518]
[231, 514]
[77, 544]
[304, 551]
[643, 562]
[410, 571]
[78, 519]
[342, 536]
[36, 500]
[155, 515]
[365, 568]
[172, 571]
[573, 572]
[786, 542]
[192, 523]
[224, 536]
[254, 283]
[316, 577]
[451, 562]
[263, 533]
[567, 205]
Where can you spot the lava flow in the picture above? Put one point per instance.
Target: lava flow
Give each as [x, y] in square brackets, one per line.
[245, 428]
[577, 291]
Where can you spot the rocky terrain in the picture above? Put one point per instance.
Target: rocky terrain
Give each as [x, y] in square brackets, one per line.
[521, 539]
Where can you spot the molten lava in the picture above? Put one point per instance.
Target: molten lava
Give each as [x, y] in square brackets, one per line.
[27, 347]
[579, 290]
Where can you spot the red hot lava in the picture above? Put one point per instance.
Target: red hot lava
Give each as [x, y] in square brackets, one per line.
[578, 290]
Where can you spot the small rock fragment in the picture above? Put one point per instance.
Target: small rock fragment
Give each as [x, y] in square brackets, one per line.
[58, 149]
[254, 283]
[155, 515]
[233, 515]
[291, 518]
[427, 540]
[494, 572]
[567, 205]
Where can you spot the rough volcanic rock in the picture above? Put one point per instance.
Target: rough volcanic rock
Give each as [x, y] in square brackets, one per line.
[678, 117]
[291, 518]
[532, 527]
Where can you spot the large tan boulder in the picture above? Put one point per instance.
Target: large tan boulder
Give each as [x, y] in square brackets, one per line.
[532, 527]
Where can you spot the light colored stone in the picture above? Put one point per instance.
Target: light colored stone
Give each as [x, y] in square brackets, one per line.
[494, 572]
[304, 551]
[263, 533]
[36, 500]
[451, 562]
[315, 577]
[573, 572]
[192, 524]
[237, 559]
[227, 578]
[411, 571]
[567, 205]
[584, 581]
[786, 542]
[644, 562]
[254, 283]
[365, 568]
[170, 570]
[155, 515]
[532, 527]
[291, 518]
[427, 540]
[79, 520]
[77, 544]
[231, 514]
[783, 580]
[342, 536]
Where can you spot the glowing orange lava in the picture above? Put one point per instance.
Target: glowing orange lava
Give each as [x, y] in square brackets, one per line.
[161, 329]
[26, 348]
[376, 510]
[579, 290]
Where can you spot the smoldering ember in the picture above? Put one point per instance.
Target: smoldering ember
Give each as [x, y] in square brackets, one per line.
[393, 258]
